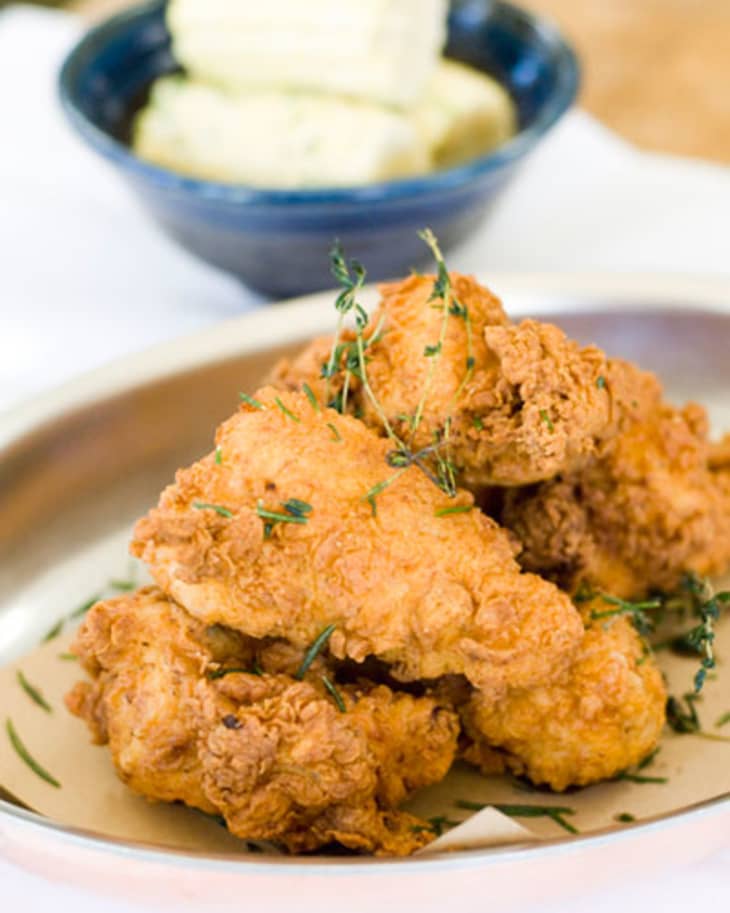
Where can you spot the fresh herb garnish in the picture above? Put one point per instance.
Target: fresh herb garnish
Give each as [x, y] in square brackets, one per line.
[640, 778]
[545, 418]
[440, 823]
[33, 693]
[250, 401]
[68, 657]
[624, 818]
[555, 812]
[297, 508]
[682, 714]
[723, 720]
[54, 632]
[478, 423]
[218, 456]
[335, 433]
[221, 511]
[601, 382]
[123, 586]
[309, 393]
[314, 651]
[26, 756]
[336, 696]
[273, 517]
[287, 412]
[458, 509]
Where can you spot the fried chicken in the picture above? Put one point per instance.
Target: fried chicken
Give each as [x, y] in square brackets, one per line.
[603, 716]
[644, 512]
[187, 720]
[523, 402]
[290, 528]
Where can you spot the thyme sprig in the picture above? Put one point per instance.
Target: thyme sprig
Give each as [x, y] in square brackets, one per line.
[336, 696]
[296, 512]
[695, 598]
[683, 718]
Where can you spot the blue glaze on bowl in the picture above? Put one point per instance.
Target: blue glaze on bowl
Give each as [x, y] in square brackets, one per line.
[277, 240]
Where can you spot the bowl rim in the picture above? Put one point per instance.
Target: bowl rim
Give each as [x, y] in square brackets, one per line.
[405, 189]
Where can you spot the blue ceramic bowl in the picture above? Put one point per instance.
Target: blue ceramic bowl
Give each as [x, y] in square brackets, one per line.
[277, 240]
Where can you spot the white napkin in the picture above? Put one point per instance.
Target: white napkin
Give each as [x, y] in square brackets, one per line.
[86, 277]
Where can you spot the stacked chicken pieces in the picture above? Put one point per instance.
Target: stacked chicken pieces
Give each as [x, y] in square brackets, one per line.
[330, 629]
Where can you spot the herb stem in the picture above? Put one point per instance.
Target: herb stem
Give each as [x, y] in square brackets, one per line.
[33, 693]
[26, 756]
[314, 651]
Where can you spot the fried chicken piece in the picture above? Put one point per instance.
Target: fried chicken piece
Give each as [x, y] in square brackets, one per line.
[603, 716]
[647, 510]
[428, 593]
[532, 405]
[275, 756]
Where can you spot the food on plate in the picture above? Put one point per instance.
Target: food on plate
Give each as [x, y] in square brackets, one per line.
[315, 95]
[645, 511]
[204, 716]
[604, 715]
[336, 618]
[292, 525]
[521, 402]
[384, 53]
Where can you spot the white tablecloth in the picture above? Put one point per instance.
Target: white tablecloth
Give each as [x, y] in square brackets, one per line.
[85, 278]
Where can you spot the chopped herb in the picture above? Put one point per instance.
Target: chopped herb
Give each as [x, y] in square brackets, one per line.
[309, 393]
[440, 823]
[314, 651]
[723, 721]
[556, 812]
[84, 607]
[297, 508]
[683, 717]
[250, 401]
[218, 456]
[624, 818]
[640, 778]
[221, 511]
[601, 382]
[33, 693]
[336, 696]
[547, 420]
[215, 674]
[373, 505]
[124, 586]
[287, 412]
[335, 433]
[478, 423]
[649, 759]
[432, 351]
[458, 509]
[68, 657]
[272, 517]
[54, 632]
[26, 756]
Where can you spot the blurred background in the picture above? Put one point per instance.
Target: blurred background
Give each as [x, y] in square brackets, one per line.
[656, 71]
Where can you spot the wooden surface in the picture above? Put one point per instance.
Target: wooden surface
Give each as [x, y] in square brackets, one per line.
[656, 71]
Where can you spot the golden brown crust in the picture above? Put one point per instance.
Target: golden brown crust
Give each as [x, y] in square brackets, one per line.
[637, 518]
[428, 595]
[275, 756]
[605, 715]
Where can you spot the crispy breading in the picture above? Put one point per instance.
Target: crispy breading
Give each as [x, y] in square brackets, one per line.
[603, 716]
[646, 511]
[428, 594]
[524, 402]
[274, 756]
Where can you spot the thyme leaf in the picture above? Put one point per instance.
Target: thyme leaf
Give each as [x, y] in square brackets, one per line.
[26, 756]
[250, 401]
[33, 693]
[335, 433]
[221, 511]
[287, 412]
[309, 393]
[336, 696]
[314, 651]
[457, 509]
[556, 812]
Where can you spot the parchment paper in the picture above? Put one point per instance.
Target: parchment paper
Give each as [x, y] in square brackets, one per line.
[91, 796]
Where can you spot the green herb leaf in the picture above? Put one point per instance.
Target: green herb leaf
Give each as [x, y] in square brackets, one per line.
[640, 778]
[297, 508]
[221, 511]
[336, 696]
[68, 657]
[215, 674]
[273, 517]
[547, 420]
[250, 401]
[723, 720]
[601, 382]
[314, 651]
[624, 818]
[556, 812]
[33, 693]
[85, 606]
[478, 423]
[287, 412]
[54, 632]
[450, 511]
[26, 756]
[218, 456]
[335, 433]
[309, 393]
